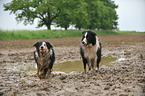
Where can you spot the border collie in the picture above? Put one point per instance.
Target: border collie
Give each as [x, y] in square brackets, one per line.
[90, 50]
[44, 57]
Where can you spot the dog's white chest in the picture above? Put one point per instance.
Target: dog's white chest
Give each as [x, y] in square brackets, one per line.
[90, 52]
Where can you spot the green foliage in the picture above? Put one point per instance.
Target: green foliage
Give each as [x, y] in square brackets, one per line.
[81, 17]
[44, 34]
[73, 14]
[102, 14]
[87, 14]
[28, 10]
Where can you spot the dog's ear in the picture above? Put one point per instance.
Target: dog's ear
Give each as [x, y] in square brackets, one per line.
[48, 45]
[35, 44]
[83, 32]
[94, 33]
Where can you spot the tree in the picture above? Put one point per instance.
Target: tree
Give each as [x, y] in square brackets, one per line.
[81, 18]
[63, 21]
[102, 14]
[112, 15]
[28, 10]
[73, 14]
[88, 14]
[65, 18]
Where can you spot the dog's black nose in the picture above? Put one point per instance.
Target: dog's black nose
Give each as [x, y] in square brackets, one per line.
[83, 42]
[41, 47]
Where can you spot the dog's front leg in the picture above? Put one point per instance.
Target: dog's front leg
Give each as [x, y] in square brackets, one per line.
[95, 65]
[85, 62]
[90, 65]
[38, 68]
[48, 73]
[48, 69]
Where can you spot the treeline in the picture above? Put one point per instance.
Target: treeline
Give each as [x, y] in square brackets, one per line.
[86, 14]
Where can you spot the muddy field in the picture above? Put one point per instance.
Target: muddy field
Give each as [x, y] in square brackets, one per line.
[122, 71]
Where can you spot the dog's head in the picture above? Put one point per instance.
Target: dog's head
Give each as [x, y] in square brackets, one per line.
[42, 47]
[88, 38]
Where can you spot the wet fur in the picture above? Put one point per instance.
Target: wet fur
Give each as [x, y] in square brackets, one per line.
[90, 50]
[45, 59]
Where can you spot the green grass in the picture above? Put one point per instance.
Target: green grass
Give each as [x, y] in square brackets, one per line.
[46, 34]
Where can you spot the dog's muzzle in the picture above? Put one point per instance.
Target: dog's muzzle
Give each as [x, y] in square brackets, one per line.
[42, 51]
[86, 45]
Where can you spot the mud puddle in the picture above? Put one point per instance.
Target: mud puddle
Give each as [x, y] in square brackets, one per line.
[59, 68]
[77, 66]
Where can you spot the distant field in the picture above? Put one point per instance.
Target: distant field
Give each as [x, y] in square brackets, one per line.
[45, 34]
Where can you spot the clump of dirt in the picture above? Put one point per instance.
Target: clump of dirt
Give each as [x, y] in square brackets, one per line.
[122, 77]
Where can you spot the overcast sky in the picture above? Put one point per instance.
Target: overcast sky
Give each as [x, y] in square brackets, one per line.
[131, 17]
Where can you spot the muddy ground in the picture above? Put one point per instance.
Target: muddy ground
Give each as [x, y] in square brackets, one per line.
[124, 76]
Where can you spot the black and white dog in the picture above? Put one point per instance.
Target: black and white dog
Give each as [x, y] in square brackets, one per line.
[44, 57]
[90, 50]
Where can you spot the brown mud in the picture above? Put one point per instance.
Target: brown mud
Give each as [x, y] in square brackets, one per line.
[122, 69]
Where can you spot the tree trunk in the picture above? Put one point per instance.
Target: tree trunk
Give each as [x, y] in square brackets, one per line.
[65, 28]
[48, 27]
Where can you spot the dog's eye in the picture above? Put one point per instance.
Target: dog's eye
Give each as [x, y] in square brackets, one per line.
[44, 44]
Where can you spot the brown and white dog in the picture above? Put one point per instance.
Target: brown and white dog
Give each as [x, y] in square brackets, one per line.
[90, 50]
[44, 57]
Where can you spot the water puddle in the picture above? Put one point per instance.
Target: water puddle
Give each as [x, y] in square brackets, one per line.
[77, 66]
[107, 61]
[67, 67]
[121, 59]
